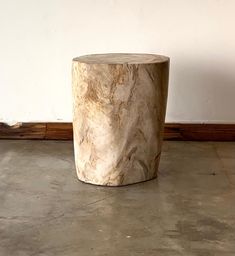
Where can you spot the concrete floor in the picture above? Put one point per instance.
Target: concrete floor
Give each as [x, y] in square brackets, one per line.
[188, 210]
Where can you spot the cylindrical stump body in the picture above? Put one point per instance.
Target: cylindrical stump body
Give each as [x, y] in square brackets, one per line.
[119, 113]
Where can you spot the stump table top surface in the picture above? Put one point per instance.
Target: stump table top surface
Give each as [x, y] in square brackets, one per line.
[121, 58]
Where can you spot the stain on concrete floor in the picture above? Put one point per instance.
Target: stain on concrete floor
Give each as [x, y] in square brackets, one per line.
[46, 211]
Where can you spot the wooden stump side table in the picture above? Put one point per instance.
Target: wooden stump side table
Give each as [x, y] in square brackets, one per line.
[119, 105]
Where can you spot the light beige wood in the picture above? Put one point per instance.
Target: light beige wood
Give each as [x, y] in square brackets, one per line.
[119, 112]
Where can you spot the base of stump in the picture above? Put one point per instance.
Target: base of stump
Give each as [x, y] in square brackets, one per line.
[120, 185]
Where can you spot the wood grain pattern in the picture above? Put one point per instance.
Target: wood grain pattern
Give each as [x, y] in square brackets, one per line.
[200, 132]
[61, 131]
[172, 131]
[40, 131]
[23, 131]
[119, 103]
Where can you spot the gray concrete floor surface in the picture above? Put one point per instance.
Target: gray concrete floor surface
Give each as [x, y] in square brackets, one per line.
[188, 210]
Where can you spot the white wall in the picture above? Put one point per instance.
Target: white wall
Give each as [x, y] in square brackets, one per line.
[38, 39]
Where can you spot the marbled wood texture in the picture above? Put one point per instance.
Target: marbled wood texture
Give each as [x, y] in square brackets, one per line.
[119, 111]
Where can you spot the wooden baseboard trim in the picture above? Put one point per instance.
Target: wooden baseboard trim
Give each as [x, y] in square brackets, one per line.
[40, 131]
[199, 132]
[172, 131]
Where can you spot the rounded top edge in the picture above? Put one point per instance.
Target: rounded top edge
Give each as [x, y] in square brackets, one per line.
[121, 58]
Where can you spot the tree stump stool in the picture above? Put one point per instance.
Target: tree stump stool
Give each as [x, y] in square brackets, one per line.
[119, 110]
